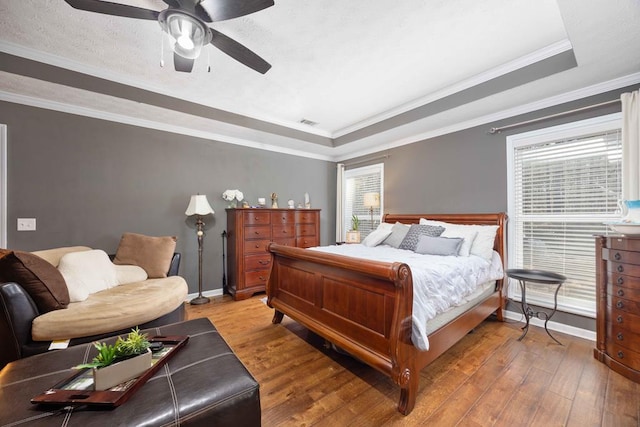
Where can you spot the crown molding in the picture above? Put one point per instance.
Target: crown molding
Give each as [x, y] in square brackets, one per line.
[68, 64]
[523, 61]
[149, 124]
[574, 95]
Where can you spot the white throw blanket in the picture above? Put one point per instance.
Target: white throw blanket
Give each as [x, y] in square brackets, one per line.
[439, 282]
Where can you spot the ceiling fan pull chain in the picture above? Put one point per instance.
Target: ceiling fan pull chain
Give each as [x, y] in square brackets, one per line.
[208, 60]
[161, 48]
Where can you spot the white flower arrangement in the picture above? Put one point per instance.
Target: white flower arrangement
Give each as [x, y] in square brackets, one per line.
[233, 196]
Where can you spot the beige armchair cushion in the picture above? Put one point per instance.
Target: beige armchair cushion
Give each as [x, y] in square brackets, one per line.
[120, 307]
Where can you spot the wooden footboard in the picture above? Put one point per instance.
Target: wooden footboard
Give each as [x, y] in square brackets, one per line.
[365, 307]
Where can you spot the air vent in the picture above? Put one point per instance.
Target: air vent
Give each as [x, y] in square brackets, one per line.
[308, 122]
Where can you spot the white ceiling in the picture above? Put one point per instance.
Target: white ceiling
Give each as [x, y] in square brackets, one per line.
[371, 73]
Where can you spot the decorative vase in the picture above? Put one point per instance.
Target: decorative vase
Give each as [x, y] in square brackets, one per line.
[110, 376]
[233, 204]
[631, 211]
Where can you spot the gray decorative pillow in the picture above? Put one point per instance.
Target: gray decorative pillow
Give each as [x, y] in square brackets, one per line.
[398, 232]
[444, 246]
[410, 241]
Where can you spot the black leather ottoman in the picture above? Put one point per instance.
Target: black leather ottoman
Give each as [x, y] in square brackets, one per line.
[203, 384]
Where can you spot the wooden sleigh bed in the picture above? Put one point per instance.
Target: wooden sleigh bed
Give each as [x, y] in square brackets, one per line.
[365, 307]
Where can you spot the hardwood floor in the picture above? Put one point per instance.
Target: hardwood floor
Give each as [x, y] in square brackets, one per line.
[487, 379]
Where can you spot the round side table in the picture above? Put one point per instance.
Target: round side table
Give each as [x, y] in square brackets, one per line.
[534, 277]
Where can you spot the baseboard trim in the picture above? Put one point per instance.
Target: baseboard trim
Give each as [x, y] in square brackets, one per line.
[554, 326]
[213, 293]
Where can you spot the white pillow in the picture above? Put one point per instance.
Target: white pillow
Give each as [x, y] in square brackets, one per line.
[86, 273]
[481, 242]
[376, 237]
[456, 230]
[130, 274]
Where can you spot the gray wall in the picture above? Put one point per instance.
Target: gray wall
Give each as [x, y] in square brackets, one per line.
[87, 181]
[466, 171]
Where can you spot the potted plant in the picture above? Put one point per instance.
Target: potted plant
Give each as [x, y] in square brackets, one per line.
[122, 361]
[353, 236]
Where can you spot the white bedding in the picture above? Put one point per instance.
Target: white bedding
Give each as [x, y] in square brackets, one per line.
[439, 282]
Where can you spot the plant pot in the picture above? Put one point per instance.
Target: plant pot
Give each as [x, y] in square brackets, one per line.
[119, 372]
[353, 237]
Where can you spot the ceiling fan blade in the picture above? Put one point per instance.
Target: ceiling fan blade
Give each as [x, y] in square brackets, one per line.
[239, 52]
[115, 9]
[181, 63]
[219, 10]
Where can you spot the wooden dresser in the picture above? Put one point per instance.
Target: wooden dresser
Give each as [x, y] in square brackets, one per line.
[250, 230]
[618, 304]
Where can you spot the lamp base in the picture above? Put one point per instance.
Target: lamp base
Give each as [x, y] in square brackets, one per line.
[199, 300]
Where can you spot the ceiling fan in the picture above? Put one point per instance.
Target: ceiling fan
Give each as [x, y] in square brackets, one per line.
[184, 22]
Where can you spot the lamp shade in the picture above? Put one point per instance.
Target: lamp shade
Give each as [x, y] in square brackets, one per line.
[371, 200]
[199, 205]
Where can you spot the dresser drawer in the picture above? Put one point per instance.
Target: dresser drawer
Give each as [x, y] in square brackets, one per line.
[624, 257]
[622, 292]
[305, 217]
[283, 217]
[283, 231]
[623, 243]
[623, 337]
[305, 230]
[285, 242]
[257, 262]
[256, 246]
[625, 305]
[623, 355]
[307, 242]
[253, 278]
[624, 320]
[629, 282]
[627, 269]
[256, 217]
[257, 232]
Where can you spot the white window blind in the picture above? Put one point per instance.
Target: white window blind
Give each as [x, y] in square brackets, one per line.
[565, 182]
[357, 182]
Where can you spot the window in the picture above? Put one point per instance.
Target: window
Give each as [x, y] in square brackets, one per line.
[564, 183]
[356, 183]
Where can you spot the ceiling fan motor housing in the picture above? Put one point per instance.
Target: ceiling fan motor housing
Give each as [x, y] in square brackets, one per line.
[187, 32]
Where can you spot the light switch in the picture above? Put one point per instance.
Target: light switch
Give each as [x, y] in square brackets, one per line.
[26, 224]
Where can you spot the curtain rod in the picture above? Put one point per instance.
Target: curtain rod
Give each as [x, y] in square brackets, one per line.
[552, 116]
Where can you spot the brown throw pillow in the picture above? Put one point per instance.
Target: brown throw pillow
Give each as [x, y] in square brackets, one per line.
[153, 254]
[42, 281]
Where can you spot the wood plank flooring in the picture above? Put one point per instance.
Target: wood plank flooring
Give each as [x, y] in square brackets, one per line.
[487, 379]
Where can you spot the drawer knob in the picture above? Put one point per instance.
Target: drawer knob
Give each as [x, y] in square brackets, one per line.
[619, 319]
[620, 268]
[284, 231]
[620, 336]
[620, 304]
[617, 256]
[620, 280]
[257, 246]
[261, 278]
[263, 262]
[620, 292]
[257, 232]
[621, 355]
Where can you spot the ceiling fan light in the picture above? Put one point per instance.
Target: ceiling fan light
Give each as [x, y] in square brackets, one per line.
[187, 35]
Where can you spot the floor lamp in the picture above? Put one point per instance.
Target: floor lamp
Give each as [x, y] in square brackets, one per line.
[371, 201]
[199, 206]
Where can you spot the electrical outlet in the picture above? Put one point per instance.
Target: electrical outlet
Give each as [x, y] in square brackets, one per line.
[26, 224]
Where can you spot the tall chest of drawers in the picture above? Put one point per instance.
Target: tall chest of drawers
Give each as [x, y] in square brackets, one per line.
[249, 232]
[618, 304]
